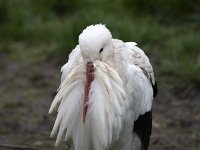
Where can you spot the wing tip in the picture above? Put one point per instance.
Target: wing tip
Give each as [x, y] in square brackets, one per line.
[155, 89]
[143, 128]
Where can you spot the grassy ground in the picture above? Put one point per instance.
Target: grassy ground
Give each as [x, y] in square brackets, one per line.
[36, 37]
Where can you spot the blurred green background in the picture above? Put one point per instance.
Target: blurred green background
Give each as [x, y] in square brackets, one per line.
[167, 30]
[37, 36]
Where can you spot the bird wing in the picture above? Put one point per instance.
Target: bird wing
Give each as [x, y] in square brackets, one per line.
[138, 58]
[142, 87]
[139, 104]
[74, 59]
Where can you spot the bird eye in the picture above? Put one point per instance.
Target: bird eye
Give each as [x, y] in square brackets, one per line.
[101, 50]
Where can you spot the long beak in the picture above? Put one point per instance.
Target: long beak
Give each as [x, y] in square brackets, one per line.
[89, 79]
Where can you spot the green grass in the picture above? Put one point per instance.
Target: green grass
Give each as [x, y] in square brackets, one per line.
[167, 31]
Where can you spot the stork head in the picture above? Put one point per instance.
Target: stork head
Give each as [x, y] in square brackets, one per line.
[96, 43]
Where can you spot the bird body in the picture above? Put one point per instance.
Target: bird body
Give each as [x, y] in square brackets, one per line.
[107, 108]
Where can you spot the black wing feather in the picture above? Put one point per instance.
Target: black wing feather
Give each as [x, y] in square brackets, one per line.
[143, 127]
[155, 89]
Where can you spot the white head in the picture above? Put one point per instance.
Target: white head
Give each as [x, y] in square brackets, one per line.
[96, 43]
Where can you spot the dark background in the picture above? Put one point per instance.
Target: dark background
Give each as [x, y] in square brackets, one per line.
[37, 36]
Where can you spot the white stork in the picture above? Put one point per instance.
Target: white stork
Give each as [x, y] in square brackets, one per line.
[105, 98]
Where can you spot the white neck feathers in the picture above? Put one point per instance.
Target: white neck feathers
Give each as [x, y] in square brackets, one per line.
[105, 108]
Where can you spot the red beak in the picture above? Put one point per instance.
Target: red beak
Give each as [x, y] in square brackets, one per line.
[89, 79]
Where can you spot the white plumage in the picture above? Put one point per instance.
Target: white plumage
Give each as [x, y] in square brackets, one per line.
[121, 90]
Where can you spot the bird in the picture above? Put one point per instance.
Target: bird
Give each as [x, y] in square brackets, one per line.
[104, 101]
